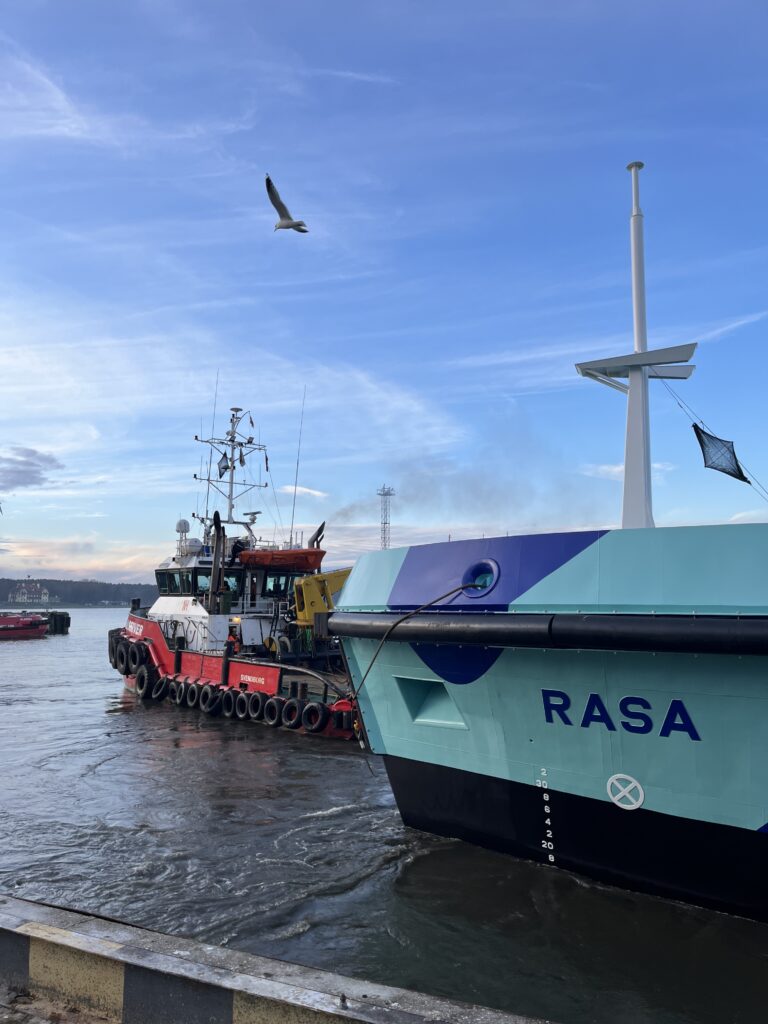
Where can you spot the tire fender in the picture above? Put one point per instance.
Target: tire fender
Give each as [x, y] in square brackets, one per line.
[210, 700]
[273, 711]
[292, 712]
[137, 656]
[160, 689]
[315, 717]
[256, 702]
[121, 658]
[228, 702]
[146, 677]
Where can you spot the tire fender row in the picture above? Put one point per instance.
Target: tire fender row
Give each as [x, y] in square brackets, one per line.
[135, 658]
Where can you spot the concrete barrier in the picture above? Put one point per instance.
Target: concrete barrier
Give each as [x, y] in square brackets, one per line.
[136, 976]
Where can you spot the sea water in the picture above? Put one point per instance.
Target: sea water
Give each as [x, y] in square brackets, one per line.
[292, 847]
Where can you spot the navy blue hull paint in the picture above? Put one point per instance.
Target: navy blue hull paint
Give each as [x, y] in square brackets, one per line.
[457, 664]
[429, 570]
[699, 862]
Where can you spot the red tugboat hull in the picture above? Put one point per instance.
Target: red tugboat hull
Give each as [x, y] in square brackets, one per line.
[22, 627]
[221, 675]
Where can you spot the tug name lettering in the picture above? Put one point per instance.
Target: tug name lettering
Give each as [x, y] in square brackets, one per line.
[557, 707]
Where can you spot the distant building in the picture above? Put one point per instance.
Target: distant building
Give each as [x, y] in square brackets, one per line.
[27, 592]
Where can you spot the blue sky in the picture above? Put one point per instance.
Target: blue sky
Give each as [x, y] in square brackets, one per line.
[461, 169]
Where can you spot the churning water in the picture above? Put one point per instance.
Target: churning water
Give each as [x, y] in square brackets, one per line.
[292, 847]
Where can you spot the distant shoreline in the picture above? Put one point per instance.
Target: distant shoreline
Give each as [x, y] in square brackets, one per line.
[61, 607]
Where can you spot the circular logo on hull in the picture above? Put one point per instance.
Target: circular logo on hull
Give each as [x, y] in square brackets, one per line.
[626, 792]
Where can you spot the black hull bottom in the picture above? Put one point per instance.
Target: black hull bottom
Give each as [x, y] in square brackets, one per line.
[710, 865]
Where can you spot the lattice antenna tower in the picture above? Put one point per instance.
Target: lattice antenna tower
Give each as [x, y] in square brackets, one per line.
[385, 493]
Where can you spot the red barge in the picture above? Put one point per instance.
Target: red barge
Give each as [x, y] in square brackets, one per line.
[239, 625]
[22, 626]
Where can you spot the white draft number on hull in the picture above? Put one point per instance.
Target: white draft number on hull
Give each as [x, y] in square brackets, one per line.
[625, 792]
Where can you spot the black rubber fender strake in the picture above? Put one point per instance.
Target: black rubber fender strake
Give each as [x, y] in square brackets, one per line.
[673, 634]
[191, 694]
[241, 706]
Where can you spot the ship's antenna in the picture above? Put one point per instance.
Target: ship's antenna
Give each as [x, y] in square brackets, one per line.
[298, 454]
[210, 450]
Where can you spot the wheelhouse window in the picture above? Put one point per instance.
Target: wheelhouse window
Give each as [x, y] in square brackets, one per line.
[186, 582]
[232, 581]
[277, 585]
[174, 585]
[162, 582]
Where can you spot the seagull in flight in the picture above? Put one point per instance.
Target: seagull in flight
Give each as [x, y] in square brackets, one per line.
[286, 220]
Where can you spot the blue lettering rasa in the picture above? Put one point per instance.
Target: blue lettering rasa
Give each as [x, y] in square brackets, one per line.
[596, 711]
[642, 723]
[556, 702]
[678, 720]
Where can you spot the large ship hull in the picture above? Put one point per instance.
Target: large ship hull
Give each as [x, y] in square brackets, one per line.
[644, 763]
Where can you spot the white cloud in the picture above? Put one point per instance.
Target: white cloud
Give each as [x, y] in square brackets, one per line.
[753, 515]
[713, 333]
[535, 364]
[33, 106]
[308, 491]
[605, 471]
[615, 471]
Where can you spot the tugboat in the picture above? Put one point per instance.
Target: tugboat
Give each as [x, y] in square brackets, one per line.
[22, 626]
[239, 627]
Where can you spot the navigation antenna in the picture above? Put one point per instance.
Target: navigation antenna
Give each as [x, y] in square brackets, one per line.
[233, 450]
[296, 477]
[385, 493]
[210, 453]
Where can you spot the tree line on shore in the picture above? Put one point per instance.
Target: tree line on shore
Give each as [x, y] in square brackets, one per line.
[87, 592]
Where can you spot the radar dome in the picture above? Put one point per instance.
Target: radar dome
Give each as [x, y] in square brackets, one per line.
[182, 526]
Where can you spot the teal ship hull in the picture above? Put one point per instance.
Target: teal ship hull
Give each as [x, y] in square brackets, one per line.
[596, 701]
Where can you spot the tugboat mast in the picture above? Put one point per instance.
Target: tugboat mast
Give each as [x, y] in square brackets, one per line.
[233, 449]
[232, 435]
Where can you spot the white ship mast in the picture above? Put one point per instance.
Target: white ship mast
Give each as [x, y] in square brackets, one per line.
[637, 510]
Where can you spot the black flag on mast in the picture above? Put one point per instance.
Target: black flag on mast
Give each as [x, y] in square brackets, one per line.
[719, 454]
[223, 465]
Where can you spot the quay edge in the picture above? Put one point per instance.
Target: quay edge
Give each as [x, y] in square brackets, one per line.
[136, 976]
